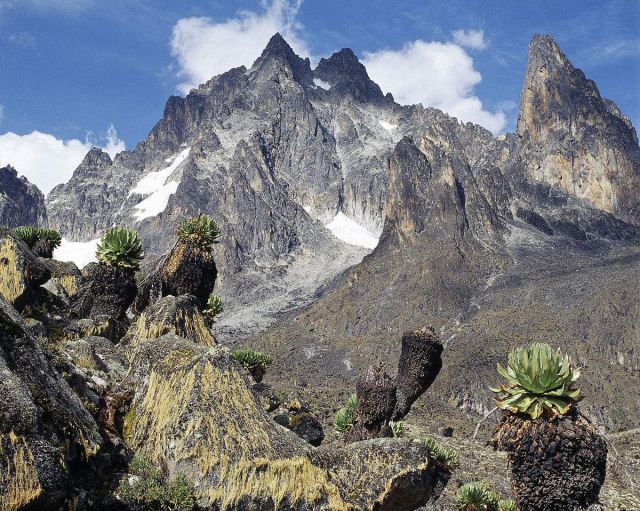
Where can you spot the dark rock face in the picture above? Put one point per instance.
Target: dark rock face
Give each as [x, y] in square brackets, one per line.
[557, 465]
[346, 75]
[43, 426]
[109, 291]
[21, 203]
[419, 365]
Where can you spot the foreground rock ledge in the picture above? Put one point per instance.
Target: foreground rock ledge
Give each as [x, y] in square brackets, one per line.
[194, 412]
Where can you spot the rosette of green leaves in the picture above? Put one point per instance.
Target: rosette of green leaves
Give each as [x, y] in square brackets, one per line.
[121, 247]
[538, 381]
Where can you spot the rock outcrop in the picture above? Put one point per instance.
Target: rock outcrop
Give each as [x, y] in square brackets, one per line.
[21, 203]
[575, 140]
[21, 272]
[44, 428]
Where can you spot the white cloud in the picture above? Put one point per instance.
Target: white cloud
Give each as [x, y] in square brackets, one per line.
[48, 161]
[473, 39]
[205, 48]
[439, 75]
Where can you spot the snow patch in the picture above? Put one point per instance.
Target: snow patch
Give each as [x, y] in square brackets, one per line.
[154, 181]
[321, 84]
[156, 203]
[79, 252]
[351, 232]
[155, 185]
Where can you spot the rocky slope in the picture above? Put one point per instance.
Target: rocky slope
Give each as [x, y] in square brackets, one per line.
[79, 399]
[21, 203]
[495, 253]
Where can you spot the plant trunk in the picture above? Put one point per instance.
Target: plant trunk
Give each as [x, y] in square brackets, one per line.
[376, 393]
[43, 248]
[109, 291]
[556, 465]
[419, 365]
[191, 270]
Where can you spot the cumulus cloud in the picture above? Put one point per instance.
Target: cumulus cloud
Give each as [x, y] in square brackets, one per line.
[46, 160]
[435, 74]
[204, 47]
[473, 39]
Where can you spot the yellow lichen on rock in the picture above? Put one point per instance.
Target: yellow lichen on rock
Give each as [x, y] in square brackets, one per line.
[70, 284]
[166, 317]
[292, 481]
[19, 483]
[13, 280]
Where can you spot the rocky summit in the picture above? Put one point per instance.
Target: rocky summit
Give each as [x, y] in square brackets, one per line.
[308, 302]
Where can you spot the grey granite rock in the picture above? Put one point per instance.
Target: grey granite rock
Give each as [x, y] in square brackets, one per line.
[21, 203]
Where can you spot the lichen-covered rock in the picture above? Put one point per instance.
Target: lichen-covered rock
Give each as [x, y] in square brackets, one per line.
[66, 275]
[419, 365]
[98, 357]
[178, 315]
[44, 429]
[376, 393]
[20, 270]
[556, 465]
[194, 412]
[109, 291]
[99, 326]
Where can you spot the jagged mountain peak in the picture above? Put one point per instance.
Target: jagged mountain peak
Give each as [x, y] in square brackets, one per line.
[572, 138]
[96, 156]
[345, 73]
[279, 48]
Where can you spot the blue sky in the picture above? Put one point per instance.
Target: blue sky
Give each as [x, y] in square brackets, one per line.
[72, 69]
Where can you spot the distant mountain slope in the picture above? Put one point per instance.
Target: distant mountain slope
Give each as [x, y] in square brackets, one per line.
[494, 253]
[274, 153]
[21, 203]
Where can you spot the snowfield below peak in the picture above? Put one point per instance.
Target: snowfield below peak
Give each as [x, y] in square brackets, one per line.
[351, 232]
[158, 191]
[80, 253]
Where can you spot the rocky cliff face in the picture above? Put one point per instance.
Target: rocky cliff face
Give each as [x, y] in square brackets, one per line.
[575, 140]
[21, 203]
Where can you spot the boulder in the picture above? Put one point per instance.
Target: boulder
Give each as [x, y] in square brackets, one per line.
[20, 270]
[66, 275]
[178, 315]
[299, 419]
[44, 429]
[100, 326]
